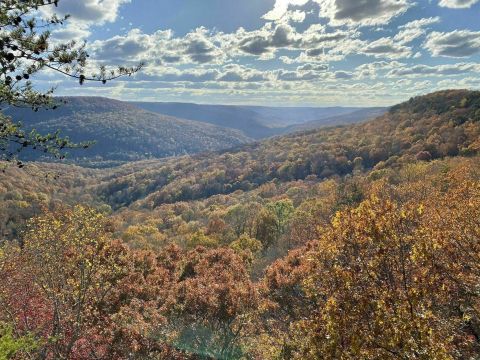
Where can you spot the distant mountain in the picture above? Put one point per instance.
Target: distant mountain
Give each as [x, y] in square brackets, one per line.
[283, 117]
[257, 122]
[343, 119]
[234, 117]
[124, 132]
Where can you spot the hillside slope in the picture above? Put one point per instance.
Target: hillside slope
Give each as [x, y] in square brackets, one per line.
[234, 117]
[434, 126]
[429, 127]
[124, 132]
[194, 188]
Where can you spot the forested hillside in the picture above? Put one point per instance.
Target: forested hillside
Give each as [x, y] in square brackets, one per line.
[448, 126]
[123, 132]
[430, 127]
[350, 242]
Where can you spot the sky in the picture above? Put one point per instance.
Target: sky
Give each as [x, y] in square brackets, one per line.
[276, 52]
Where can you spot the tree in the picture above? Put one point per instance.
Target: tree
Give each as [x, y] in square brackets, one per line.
[283, 301]
[385, 281]
[60, 276]
[213, 298]
[200, 239]
[10, 346]
[25, 50]
[283, 211]
[237, 217]
[266, 228]
[272, 221]
[248, 248]
[372, 295]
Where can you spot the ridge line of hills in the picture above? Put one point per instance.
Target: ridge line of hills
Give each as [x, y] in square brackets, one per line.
[260, 122]
[126, 131]
[424, 128]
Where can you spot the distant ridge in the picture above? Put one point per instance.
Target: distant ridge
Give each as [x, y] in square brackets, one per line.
[345, 119]
[257, 122]
[129, 131]
[424, 128]
[124, 132]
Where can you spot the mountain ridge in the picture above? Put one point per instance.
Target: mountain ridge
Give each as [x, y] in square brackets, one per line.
[394, 138]
[257, 122]
[124, 132]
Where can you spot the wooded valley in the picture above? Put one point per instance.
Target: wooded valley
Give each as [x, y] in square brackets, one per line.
[232, 180]
[356, 241]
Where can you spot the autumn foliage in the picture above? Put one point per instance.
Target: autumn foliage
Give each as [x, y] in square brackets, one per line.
[378, 263]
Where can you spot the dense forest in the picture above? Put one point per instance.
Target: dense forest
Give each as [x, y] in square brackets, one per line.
[349, 242]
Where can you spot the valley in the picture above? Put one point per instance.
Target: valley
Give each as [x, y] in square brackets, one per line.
[123, 132]
[260, 122]
[266, 204]
[263, 209]
[239, 180]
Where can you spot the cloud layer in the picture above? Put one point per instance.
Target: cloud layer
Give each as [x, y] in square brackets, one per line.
[84, 14]
[458, 4]
[455, 44]
[305, 51]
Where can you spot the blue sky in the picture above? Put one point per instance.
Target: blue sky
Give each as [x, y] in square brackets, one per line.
[277, 52]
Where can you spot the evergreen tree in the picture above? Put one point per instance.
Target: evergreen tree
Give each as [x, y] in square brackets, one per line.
[26, 49]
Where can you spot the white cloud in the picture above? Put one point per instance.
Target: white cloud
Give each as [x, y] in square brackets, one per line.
[290, 16]
[455, 44]
[131, 46]
[83, 15]
[464, 83]
[268, 39]
[160, 47]
[414, 29]
[330, 47]
[239, 73]
[173, 75]
[281, 7]
[438, 70]
[96, 12]
[72, 30]
[199, 47]
[371, 70]
[387, 48]
[362, 12]
[313, 67]
[347, 12]
[343, 75]
[303, 73]
[458, 4]
[210, 62]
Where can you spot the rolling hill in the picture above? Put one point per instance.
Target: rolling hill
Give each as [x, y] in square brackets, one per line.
[430, 127]
[423, 129]
[124, 132]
